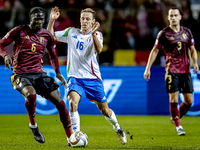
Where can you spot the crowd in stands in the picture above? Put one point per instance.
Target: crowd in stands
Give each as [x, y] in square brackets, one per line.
[125, 24]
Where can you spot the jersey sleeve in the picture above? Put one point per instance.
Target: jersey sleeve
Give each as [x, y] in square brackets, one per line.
[191, 39]
[8, 39]
[52, 54]
[100, 37]
[62, 36]
[159, 40]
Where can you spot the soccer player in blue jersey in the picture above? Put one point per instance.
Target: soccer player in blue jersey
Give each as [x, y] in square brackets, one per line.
[82, 68]
[28, 75]
[178, 45]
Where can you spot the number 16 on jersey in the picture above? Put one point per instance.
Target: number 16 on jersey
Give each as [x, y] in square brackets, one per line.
[79, 45]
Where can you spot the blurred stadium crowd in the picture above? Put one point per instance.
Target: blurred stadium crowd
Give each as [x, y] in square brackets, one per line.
[129, 27]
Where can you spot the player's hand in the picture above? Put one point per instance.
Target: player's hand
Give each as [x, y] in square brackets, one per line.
[60, 77]
[95, 27]
[8, 61]
[54, 13]
[196, 68]
[147, 74]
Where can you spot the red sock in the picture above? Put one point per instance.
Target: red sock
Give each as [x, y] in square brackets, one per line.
[183, 109]
[175, 114]
[64, 118]
[30, 107]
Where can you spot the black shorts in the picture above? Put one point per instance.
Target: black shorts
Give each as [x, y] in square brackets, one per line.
[42, 83]
[179, 82]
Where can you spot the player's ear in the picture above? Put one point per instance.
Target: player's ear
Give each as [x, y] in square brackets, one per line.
[93, 22]
[180, 17]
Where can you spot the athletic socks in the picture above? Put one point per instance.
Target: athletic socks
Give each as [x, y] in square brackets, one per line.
[183, 109]
[33, 126]
[75, 121]
[30, 107]
[64, 118]
[177, 128]
[113, 121]
[175, 114]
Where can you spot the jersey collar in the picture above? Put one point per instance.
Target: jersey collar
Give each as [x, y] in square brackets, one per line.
[86, 34]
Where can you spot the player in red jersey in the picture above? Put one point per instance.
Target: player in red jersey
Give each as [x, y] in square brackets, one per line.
[178, 45]
[28, 75]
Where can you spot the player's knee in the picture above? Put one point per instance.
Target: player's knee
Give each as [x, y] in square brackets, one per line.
[189, 102]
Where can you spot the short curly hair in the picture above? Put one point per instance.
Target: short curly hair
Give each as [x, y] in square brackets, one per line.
[35, 10]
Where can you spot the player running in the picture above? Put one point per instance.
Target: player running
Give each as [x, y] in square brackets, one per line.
[178, 44]
[82, 68]
[28, 75]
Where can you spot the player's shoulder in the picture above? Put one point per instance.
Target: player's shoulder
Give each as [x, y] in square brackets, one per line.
[161, 33]
[166, 30]
[98, 33]
[15, 32]
[18, 28]
[45, 31]
[71, 30]
[185, 29]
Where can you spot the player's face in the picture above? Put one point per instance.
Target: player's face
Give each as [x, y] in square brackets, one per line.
[87, 21]
[37, 21]
[174, 17]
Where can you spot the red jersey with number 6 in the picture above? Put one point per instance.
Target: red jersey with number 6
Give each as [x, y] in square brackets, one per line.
[176, 46]
[29, 48]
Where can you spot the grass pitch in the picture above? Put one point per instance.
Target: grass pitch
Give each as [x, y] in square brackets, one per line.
[144, 132]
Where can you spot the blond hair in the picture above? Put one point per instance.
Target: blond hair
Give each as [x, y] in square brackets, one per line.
[90, 11]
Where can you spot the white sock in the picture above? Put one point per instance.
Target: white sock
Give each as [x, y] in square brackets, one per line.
[75, 121]
[113, 121]
[177, 128]
[33, 126]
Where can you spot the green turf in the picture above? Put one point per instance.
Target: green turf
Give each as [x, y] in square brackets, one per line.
[146, 132]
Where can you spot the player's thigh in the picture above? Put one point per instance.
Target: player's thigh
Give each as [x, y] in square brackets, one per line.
[45, 85]
[28, 90]
[75, 90]
[94, 90]
[22, 84]
[186, 83]
[172, 82]
[173, 97]
[73, 96]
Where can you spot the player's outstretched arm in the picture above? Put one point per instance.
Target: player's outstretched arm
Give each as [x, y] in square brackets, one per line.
[194, 58]
[151, 59]
[97, 44]
[60, 77]
[53, 16]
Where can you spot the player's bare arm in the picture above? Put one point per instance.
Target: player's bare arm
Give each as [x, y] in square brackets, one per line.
[151, 59]
[60, 77]
[53, 16]
[194, 58]
[97, 44]
[6, 56]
